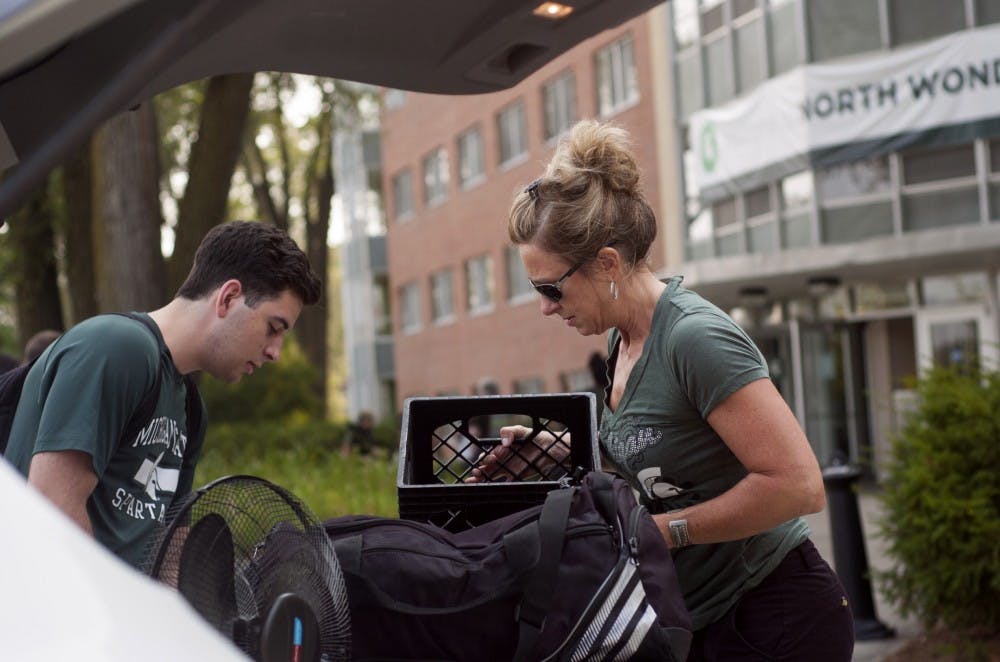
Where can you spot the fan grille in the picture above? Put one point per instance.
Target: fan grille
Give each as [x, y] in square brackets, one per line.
[233, 547]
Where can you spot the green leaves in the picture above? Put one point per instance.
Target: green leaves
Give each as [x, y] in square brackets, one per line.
[942, 503]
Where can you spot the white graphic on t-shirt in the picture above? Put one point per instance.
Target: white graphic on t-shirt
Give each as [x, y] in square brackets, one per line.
[630, 442]
[654, 486]
[155, 478]
[162, 430]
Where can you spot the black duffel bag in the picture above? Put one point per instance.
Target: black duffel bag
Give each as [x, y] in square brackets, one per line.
[586, 576]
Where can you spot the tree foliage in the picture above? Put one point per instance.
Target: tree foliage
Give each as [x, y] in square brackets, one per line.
[942, 499]
[211, 160]
[279, 391]
[120, 221]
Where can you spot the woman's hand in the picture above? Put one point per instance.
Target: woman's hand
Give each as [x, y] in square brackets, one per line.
[519, 456]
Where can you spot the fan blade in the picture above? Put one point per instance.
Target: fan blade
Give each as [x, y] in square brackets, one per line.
[206, 576]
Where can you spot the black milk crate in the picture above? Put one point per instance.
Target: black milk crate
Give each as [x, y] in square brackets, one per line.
[442, 439]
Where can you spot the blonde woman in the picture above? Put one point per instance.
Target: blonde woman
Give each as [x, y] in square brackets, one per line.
[690, 417]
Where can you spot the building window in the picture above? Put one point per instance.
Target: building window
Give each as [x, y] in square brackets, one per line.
[931, 209]
[741, 7]
[751, 58]
[854, 180]
[987, 11]
[916, 20]
[855, 222]
[518, 286]
[402, 194]
[855, 201]
[442, 297]
[837, 29]
[689, 85]
[993, 187]
[512, 132]
[383, 313]
[479, 284]
[409, 308]
[727, 227]
[617, 84]
[797, 191]
[937, 163]
[719, 73]
[954, 289]
[712, 16]
[783, 29]
[559, 104]
[762, 235]
[939, 187]
[796, 205]
[436, 176]
[470, 157]
[757, 202]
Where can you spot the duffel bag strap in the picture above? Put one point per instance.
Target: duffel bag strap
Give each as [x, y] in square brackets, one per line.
[531, 612]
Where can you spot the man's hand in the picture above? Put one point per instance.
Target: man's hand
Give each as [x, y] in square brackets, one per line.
[67, 479]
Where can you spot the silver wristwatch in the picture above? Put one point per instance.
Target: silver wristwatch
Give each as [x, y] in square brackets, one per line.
[679, 533]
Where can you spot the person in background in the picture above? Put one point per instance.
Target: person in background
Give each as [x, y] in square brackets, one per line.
[37, 343]
[691, 418]
[361, 435]
[244, 293]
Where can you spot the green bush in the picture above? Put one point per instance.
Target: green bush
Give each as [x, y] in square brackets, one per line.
[277, 391]
[304, 458]
[942, 503]
[271, 425]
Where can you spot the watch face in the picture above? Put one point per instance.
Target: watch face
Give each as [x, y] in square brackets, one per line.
[679, 533]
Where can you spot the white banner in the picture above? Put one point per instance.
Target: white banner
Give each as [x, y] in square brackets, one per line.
[815, 109]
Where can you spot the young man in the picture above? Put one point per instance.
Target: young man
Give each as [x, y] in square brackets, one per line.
[246, 289]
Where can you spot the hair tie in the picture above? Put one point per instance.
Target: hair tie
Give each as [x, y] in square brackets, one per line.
[532, 189]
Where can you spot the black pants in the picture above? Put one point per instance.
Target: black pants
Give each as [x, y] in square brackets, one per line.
[799, 612]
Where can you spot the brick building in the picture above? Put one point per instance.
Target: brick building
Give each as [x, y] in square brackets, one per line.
[465, 319]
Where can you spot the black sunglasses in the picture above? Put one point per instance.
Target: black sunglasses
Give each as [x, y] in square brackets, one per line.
[554, 290]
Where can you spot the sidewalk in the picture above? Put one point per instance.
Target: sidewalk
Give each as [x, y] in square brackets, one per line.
[906, 629]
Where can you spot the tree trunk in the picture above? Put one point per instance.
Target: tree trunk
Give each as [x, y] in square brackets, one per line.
[210, 168]
[255, 166]
[36, 287]
[77, 233]
[313, 322]
[129, 261]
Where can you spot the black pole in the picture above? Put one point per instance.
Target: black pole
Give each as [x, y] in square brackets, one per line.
[849, 555]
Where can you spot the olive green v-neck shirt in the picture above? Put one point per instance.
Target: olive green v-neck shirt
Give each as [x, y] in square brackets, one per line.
[660, 440]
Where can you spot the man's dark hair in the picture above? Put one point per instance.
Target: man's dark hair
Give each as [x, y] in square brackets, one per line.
[263, 258]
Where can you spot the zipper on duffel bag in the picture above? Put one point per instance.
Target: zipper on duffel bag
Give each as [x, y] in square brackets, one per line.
[628, 554]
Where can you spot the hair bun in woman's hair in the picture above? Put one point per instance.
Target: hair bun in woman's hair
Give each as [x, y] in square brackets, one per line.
[589, 198]
[602, 151]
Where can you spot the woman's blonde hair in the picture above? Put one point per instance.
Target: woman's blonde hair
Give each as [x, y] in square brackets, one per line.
[588, 198]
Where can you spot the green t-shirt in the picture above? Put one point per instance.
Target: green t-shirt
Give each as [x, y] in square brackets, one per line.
[80, 395]
[660, 440]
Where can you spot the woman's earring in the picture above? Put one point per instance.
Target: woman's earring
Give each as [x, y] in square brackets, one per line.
[614, 291]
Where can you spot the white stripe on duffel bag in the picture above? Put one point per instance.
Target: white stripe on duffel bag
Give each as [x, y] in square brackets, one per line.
[590, 648]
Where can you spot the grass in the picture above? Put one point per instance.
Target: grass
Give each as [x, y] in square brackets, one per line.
[313, 468]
